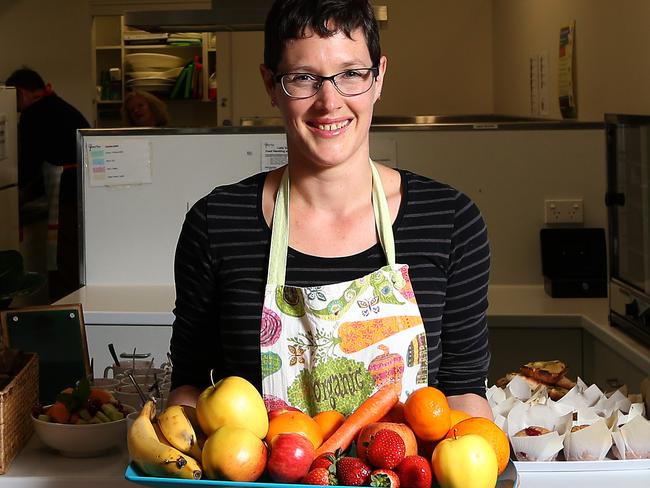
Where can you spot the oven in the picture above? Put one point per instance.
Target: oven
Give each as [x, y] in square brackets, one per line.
[628, 204]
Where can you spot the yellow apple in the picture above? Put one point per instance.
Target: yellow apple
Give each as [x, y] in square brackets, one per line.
[232, 401]
[234, 454]
[461, 462]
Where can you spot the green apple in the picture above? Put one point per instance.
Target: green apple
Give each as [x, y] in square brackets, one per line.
[465, 461]
[232, 401]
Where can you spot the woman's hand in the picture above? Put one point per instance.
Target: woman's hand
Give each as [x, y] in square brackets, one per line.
[470, 403]
[184, 395]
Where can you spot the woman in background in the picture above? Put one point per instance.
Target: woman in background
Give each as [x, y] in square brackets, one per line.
[142, 109]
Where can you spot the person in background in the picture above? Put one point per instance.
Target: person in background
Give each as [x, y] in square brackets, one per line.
[331, 276]
[143, 109]
[47, 169]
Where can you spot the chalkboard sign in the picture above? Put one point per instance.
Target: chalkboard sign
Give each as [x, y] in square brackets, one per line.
[57, 334]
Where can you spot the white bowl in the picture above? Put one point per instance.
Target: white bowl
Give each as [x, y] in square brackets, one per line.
[86, 440]
[153, 61]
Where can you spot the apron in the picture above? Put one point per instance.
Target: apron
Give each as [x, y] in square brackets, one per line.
[330, 347]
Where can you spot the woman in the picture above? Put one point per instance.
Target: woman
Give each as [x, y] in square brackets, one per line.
[352, 315]
[142, 109]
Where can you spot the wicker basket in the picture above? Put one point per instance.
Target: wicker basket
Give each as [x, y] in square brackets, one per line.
[16, 402]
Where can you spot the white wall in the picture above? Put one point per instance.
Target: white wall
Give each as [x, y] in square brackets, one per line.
[439, 61]
[612, 53]
[53, 38]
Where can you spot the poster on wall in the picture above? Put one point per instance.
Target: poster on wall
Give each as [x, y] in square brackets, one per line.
[566, 72]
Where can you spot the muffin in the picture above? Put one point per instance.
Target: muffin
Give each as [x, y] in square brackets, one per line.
[532, 431]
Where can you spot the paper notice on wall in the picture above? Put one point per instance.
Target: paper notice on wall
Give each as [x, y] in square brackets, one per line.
[274, 154]
[119, 161]
[566, 74]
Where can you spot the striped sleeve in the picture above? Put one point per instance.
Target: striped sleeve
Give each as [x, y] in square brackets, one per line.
[464, 336]
[195, 310]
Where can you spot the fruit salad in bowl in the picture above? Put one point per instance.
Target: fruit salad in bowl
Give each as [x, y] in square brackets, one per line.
[82, 422]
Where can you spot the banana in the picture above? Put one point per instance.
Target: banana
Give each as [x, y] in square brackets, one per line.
[179, 431]
[152, 456]
[161, 436]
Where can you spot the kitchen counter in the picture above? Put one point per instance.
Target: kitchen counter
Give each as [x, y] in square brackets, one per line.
[519, 306]
[38, 467]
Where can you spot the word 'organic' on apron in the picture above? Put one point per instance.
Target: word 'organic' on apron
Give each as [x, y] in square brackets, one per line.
[330, 347]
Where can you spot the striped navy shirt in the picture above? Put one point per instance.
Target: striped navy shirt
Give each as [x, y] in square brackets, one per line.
[221, 266]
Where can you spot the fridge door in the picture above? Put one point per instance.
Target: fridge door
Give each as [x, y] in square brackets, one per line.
[9, 218]
[8, 138]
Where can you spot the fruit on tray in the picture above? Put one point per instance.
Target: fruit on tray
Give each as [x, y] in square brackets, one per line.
[291, 457]
[468, 460]
[427, 413]
[234, 453]
[178, 430]
[298, 422]
[491, 432]
[390, 454]
[82, 405]
[154, 457]
[404, 431]
[232, 401]
[371, 410]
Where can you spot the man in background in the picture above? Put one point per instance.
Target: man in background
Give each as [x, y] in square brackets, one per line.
[47, 174]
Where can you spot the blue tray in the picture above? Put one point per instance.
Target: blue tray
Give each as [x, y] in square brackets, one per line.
[508, 479]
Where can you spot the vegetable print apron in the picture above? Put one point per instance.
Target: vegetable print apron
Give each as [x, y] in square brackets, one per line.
[330, 347]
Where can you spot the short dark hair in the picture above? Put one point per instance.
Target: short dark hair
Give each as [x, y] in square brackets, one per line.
[27, 79]
[288, 19]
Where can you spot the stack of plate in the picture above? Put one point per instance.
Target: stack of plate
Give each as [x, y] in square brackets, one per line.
[152, 72]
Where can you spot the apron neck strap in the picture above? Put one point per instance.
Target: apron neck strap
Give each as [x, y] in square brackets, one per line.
[280, 226]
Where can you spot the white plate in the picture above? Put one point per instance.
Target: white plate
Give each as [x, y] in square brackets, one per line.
[606, 464]
[167, 73]
[150, 81]
[149, 61]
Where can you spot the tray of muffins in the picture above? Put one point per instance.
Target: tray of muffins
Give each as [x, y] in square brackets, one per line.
[557, 424]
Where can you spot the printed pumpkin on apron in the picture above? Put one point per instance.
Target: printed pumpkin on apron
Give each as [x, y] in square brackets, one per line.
[330, 347]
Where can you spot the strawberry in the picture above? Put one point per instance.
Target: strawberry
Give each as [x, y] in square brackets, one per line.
[386, 449]
[384, 478]
[414, 472]
[319, 476]
[326, 459]
[351, 471]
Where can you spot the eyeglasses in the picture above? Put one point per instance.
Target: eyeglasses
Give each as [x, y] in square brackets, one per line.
[348, 83]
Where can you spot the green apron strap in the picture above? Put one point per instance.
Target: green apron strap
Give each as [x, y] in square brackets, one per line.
[279, 234]
[280, 227]
[383, 222]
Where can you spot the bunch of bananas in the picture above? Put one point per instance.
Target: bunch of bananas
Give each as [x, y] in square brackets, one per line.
[168, 445]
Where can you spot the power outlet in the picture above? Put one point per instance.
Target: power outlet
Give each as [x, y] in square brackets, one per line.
[569, 211]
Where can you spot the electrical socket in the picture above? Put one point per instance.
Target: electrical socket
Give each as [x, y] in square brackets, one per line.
[563, 211]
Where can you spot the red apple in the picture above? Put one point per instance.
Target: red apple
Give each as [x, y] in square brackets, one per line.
[291, 456]
[281, 410]
[366, 433]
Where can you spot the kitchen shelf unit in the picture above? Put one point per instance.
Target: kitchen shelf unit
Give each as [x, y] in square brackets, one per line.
[109, 50]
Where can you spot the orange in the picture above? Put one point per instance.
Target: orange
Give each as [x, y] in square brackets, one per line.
[329, 421]
[427, 412]
[457, 416]
[490, 432]
[298, 422]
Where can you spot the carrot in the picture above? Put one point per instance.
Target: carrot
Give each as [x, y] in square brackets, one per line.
[58, 412]
[371, 410]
